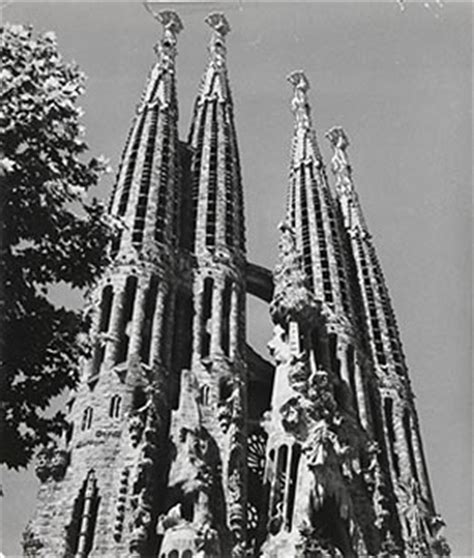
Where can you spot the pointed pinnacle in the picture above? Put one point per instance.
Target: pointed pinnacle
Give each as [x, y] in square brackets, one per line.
[299, 104]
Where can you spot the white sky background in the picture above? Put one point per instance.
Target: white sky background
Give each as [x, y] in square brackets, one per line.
[400, 84]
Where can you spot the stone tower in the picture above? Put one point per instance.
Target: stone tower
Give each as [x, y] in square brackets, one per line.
[184, 441]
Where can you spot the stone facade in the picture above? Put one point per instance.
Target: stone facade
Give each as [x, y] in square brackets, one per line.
[183, 441]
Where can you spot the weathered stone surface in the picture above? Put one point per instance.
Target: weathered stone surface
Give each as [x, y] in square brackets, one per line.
[182, 441]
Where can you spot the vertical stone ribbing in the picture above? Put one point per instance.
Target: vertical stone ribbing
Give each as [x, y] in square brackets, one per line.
[311, 212]
[404, 456]
[119, 417]
[217, 380]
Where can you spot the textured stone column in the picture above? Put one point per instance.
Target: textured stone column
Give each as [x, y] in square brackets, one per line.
[234, 322]
[113, 336]
[137, 318]
[343, 355]
[360, 390]
[420, 460]
[202, 201]
[221, 180]
[197, 322]
[156, 328]
[401, 443]
[216, 318]
[88, 369]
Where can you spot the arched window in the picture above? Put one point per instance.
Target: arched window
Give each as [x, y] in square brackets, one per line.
[87, 418]
[173, 554]
[187, 554]
[115, 404]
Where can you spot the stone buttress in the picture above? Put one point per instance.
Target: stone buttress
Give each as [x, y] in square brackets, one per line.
[393, 408]
[99, 489]
[209, 432]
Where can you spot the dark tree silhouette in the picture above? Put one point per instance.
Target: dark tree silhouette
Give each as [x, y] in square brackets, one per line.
[50, 233]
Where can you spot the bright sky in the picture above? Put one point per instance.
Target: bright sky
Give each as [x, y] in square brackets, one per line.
[400, 84]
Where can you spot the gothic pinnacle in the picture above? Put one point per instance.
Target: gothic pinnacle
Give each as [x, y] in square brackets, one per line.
[220, 27]
[340, 163]
[342, 170]
[299, 103]
[172, 26]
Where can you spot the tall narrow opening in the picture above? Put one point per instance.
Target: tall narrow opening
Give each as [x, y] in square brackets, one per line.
[127, 313]
[150, 308]
[334, 361]
[105, 312]
[166, 324]
[388, 410]
[212, 182]
[164, 192]
[125, 191]
[143, 194]
[351, 370]
[81, 529]
[408, 436]
[206, 316]
[295, 458]
[305, 229]
[181, 346]
[225, 324]
[279, 484]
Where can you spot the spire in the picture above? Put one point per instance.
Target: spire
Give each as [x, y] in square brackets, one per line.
[383, 331]
[215, 78]
[218, 219]
[407, 460]
[146, 191]
[348, 198]
[310, 210]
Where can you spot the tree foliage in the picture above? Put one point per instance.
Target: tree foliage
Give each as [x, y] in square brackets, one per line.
[51, 233]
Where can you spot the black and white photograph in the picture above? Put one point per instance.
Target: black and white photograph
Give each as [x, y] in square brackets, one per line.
[236, 262]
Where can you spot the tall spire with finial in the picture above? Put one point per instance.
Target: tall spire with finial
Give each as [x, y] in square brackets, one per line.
[218, 219]
[146, 192]
[310, 210]
[399, 418]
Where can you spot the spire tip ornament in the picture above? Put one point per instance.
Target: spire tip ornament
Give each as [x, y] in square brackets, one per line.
[299, 104]
[338, 138]
[299, 80]
[218, 22]
[169, 19]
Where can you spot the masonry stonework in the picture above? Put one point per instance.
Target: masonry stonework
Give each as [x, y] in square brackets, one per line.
[183, 441]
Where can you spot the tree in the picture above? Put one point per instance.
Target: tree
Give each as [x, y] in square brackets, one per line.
[50, 233]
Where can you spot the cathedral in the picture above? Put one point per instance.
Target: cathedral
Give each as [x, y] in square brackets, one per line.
[183, 441]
